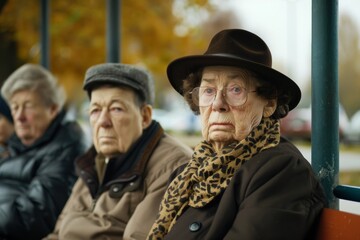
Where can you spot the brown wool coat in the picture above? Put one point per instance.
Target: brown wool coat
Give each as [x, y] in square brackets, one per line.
[273, 196]
[130, 216]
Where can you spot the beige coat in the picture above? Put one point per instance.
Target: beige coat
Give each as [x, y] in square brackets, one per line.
[128, 217]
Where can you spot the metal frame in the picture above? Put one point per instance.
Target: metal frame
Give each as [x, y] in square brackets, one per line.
[112, 32]
[325, 102]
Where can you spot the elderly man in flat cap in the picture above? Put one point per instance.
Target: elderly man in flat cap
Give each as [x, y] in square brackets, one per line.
[123, 177]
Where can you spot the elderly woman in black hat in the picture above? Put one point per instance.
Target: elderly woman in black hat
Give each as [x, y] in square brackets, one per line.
[244, 180]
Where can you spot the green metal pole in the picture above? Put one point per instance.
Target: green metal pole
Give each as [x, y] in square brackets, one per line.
[325, 99]
[112, 31]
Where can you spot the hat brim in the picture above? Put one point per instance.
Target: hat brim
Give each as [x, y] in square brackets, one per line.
[179, 69]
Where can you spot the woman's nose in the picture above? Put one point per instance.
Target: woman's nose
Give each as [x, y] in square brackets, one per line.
[220, 103]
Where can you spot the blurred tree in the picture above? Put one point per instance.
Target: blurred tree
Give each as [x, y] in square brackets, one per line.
[349, 65]
[152, 34]
[220, 19]
[8, 48]
[2, 4]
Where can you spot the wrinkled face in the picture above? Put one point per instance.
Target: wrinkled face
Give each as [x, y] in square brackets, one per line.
[116, 120]
[224, 123]
[6, 129]
[31, 116]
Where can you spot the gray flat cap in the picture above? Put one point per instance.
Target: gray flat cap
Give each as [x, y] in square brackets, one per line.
[122, 75]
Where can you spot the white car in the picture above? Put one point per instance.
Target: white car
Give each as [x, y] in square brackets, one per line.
[178, 120]
[353, 133]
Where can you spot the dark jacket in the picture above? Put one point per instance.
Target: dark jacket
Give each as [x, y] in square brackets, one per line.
[275, 195]
[36, 181]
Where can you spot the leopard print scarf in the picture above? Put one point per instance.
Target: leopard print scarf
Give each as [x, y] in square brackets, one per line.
[209, 168]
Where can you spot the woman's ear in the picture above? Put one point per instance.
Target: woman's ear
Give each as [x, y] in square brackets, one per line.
[270, 108]
[146, 113]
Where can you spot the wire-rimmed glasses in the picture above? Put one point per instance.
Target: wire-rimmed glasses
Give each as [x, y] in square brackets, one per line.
[234, 96]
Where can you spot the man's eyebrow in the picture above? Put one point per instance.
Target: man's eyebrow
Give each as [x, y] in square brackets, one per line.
[19, 103]
[112, 101]
[92, 104]
[117, 100]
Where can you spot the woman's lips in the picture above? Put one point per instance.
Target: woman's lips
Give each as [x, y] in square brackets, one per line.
[221, 125]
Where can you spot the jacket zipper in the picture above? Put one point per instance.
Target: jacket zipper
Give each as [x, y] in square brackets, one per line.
[93, 202]
[100, 190]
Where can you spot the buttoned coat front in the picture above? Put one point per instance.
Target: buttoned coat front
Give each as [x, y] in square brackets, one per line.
[275, 195]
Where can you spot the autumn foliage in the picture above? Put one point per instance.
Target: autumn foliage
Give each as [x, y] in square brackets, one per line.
[78, 35]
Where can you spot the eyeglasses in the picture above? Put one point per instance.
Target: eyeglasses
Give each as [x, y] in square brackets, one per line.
[234, 96]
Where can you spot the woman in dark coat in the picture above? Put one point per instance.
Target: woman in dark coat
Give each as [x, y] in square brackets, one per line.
[244, 180]
[37, 178]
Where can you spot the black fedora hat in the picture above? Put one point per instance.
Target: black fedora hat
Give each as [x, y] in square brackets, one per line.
[239, 48]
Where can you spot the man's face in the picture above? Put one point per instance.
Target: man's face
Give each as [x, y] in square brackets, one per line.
[31, 116]
[116, 119]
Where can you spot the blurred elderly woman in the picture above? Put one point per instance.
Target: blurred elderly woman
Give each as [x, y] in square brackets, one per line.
[6, 127]
[37, 177]
[244, 180]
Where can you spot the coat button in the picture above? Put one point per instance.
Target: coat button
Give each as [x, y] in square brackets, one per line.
[195, 226]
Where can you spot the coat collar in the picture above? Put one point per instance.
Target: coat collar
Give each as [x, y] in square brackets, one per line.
[16, 146]
[123, 168]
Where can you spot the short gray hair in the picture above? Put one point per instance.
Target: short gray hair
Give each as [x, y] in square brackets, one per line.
[38, 79]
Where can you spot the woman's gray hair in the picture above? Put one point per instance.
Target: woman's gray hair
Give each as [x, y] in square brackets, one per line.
[38, 79]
